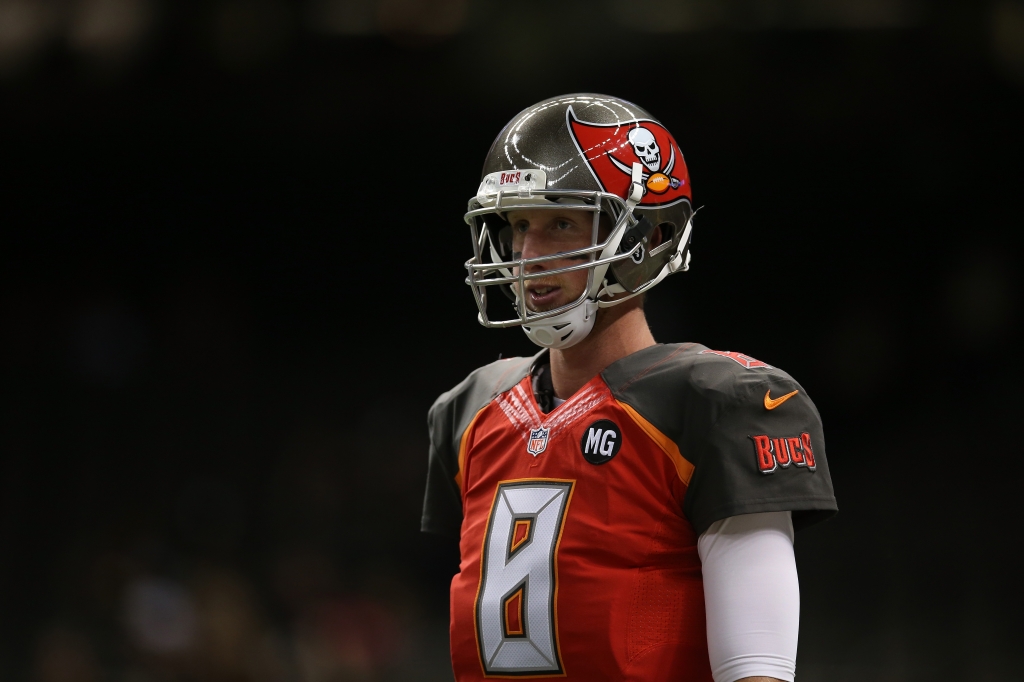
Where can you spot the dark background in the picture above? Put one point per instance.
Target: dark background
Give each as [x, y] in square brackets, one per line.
[231, 286]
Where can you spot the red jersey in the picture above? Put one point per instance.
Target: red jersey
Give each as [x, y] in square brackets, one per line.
[578, 540]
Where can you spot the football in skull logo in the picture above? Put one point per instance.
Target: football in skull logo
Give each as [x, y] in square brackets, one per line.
[611, 149]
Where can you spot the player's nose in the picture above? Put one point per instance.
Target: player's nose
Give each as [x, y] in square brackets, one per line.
[535, 246]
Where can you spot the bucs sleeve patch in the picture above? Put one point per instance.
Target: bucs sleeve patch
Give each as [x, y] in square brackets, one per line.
[772, 453]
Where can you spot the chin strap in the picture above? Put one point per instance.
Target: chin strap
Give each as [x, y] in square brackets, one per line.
[636, 187]
[677, 264]
[565, 330]
[636, 193]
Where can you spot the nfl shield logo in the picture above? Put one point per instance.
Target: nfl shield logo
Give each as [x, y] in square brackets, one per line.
[538, 441]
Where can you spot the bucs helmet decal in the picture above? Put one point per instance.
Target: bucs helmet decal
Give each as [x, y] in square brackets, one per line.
[611, 149]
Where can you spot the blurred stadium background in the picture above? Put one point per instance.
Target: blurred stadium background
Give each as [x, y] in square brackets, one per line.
[231, 286]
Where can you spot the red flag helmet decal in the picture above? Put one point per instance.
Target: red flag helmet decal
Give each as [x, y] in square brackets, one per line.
[611, 149]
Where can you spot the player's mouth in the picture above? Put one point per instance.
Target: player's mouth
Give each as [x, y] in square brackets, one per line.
[543, 297]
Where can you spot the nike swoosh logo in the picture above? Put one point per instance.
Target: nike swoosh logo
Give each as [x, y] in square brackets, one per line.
[770, 404]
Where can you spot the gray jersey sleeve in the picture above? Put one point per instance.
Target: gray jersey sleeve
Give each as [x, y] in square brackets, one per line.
[442, 502]
[752, 433]
[447, 421]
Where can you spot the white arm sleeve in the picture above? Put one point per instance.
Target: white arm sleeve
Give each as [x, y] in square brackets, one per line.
[752, 596]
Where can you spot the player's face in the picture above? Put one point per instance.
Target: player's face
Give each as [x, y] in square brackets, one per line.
[542, 232]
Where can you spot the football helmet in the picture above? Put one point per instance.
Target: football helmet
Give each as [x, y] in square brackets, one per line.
[594, 153]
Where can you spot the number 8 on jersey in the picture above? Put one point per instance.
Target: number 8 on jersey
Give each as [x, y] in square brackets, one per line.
[515, 606]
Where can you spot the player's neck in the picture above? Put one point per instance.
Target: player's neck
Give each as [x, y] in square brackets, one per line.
[618, 332]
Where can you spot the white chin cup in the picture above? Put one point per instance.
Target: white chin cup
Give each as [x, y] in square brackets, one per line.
[565, 330]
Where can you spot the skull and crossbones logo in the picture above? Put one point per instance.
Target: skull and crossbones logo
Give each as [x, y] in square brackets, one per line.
[646, 148]
[657, 179]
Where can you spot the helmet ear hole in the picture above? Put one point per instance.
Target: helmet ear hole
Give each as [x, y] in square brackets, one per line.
[667, 230]
[668, 234]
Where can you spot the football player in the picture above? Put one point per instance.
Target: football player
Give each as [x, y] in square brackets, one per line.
[625, 509]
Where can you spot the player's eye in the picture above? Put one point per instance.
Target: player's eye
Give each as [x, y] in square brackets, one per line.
[563, 224]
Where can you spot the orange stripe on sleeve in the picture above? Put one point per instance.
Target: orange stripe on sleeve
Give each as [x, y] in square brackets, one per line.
[462, 448]
[683, 467]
